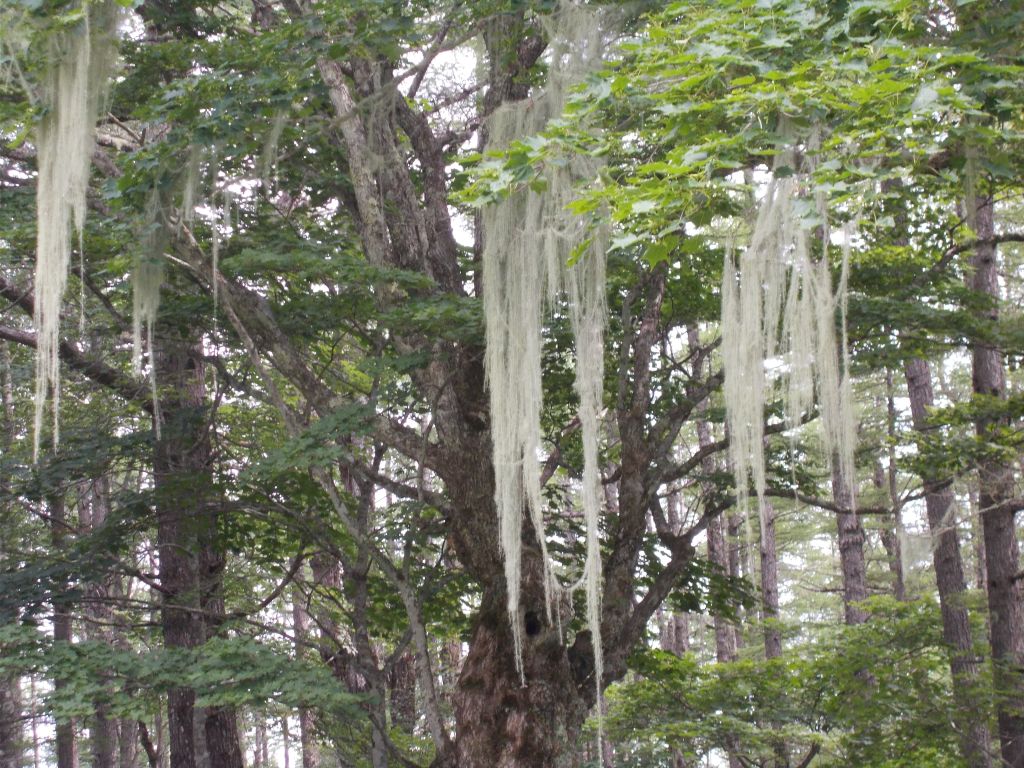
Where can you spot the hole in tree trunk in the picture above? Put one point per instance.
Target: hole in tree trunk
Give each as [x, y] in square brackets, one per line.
[533, 624]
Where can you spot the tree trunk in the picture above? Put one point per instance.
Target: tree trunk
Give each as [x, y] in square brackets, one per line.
[93, 507]
[949, 577]
[182, 480]
[996, 482]
[770, 586]
[500, 723]
[307, 727]
[128, 743]
[851, 550]
[12, 748]
[890, 533]
[403, 692]
[66, 743]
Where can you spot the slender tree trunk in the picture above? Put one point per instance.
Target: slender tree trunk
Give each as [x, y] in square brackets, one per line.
[735, 550]
[307, 727]
[727, 558]
[93, 507]
[770, 613]
[978, 536]
[12, 748]
[675, 627]
[890, 534]
[851, 549]
[949, 577]
[718, 553]
[66, 743]
[996, 481]
[770, 586]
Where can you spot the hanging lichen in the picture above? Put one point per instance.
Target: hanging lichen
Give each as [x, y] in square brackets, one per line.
[529, 239]
[73, 88]
[268, 158]
[778, 302]
[147, 277]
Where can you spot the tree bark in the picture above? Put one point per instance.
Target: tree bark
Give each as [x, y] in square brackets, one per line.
[66, 742]
[949, 577]
[182, 485]
[12, 747]
[307, 726]
[501, 722]
[770, 586]
[403, 692]
[996, 483]
[851, 550]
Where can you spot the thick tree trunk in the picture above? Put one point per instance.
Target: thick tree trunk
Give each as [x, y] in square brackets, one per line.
[949, 577]
[128, 743]
[500, 723]
[182, 479]
[220, 723]
[996, 482]
[851, 550]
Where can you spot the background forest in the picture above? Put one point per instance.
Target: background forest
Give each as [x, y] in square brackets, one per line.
[308, 265]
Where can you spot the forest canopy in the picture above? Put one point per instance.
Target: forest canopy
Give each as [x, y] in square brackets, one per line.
[512, 383]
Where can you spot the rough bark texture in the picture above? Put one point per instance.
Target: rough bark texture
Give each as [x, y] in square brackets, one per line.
[402, 687]
[1002, 552]
[515, 725]
[851, 550]
[182, 480]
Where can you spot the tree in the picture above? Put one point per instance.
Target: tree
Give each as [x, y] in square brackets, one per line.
[297, 184]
